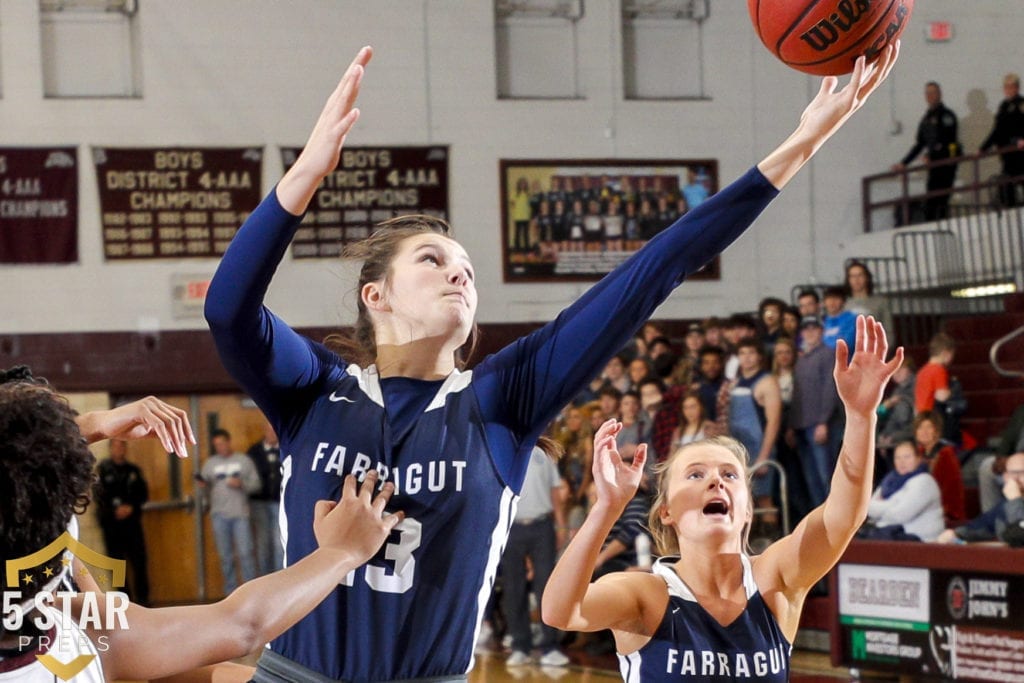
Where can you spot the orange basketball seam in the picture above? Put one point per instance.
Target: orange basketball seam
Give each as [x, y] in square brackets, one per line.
[869, 33]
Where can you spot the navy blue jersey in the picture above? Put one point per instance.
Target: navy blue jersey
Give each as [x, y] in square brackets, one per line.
[456, 449]
[690, 645]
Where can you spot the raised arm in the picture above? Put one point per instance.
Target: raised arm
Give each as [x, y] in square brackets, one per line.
[571, 602]
[161, 642]
[259, 350]
[540, 373]
[826, 114]
[796, 562]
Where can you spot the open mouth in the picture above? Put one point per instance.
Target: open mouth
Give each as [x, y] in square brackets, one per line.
[716, 507]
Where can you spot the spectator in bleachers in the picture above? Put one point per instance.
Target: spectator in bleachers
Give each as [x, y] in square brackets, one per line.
[860, 285]
[897, 411]
[937, 138]
[575, 436]
[694, 341]
[932, 382]
[907, 505]
[1009, 512]
[709, 383]
[808, 303]
[942, 463]
[615, 373]
[713, 328]
[737, 328]
[791, 322]
[783, 364]
[1009, 130]
[694, 424]
[639, 369]
[635, 427]
[658, 347]
[608, 402]
[769, 313]
[992, 468]
[753, 416]
[815, 414]
[838, 322]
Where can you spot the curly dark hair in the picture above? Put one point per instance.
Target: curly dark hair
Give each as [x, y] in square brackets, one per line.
[46, 470]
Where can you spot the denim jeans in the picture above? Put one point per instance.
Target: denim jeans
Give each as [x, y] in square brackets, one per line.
[233, 536]
[267, 535]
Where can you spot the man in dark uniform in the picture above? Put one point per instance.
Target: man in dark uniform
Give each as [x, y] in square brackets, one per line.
[937, 138]
[1009, 130]
[120, 493]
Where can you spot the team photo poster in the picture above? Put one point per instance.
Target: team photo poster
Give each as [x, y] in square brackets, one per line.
[575, 220]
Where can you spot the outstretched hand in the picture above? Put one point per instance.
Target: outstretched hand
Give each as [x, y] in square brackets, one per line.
[830, 108]
[147, 417]
[616, 481]
[861, 382]
[323, 148]
[356, 525]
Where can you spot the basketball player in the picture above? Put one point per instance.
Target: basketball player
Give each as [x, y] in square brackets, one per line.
[455, 444]
[46, 476]
[713, 613]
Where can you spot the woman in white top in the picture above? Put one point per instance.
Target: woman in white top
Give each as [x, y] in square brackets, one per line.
[908, 497]
[694, 424]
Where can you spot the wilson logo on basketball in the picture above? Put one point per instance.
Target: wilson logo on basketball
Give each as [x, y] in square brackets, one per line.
[828, 31]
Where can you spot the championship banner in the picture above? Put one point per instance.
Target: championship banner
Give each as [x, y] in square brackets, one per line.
[38, 205]
[175, 202]
[370, 184]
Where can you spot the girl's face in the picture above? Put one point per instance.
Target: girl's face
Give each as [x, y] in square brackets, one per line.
[574, 420]
[790, 323]
[857, 280]
[429, 293]
[707, 496]
[906, 459]
[770, 316]
[629, 407]
[692, 410]
[637, 370]
[926, 433]
[614, 370]
[784, 355]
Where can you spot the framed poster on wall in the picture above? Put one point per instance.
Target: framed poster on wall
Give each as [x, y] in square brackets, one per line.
[575, 220]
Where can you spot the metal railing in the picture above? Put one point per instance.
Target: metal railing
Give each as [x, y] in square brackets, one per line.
[891, 194]
[783, 494]
[993, 354]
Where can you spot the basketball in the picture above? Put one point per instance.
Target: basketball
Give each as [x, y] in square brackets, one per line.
[825, 37]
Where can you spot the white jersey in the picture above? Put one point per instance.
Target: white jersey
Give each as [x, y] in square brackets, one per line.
[69, 642]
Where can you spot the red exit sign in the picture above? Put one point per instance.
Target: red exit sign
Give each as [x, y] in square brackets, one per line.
[940, 31]
[196, 290]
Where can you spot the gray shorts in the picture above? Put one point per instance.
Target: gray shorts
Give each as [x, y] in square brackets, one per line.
[275, 668]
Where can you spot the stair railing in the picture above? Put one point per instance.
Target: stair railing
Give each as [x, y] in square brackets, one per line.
[993, 353]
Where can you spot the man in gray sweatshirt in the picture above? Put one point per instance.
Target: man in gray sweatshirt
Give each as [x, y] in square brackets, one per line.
[229, 478]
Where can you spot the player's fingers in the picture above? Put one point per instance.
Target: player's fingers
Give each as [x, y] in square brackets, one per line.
[882, 341]
[367, 487]
[393, 519]
[322, 508]
[640, 457]
[172, 422]
[897, 360]
[348, 488]
[842, 356]
[381, 501]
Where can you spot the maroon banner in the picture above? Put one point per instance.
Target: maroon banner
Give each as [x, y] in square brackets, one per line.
[370, 184]
[175, 202]
[38, 205]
